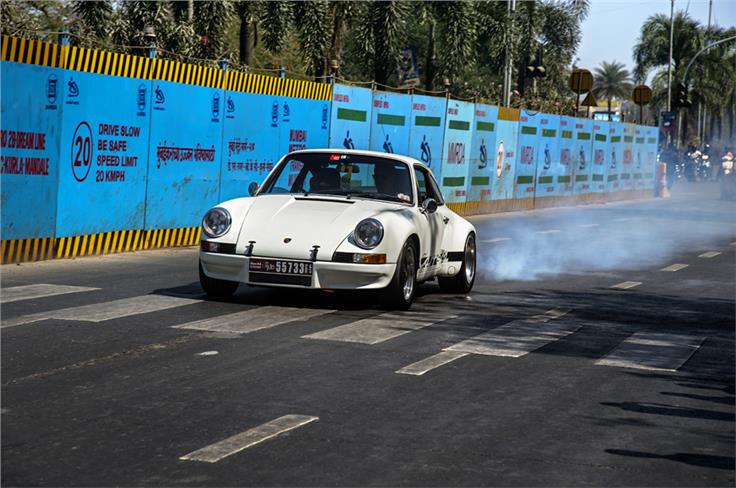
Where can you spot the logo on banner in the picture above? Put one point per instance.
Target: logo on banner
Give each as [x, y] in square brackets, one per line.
[456, 153]
[426, 152]
[160, 98]
[287, 113]
[638, 160]
[483, 154]
[598, 156]
[499, 160]
[387, 146]
[325, 115]
[230, 105]
[547, 157]
[613, 157]
[581, 159]
[51, 91]
[347, 143]
[216, 107]
[527, 155]
[275, 114]
[73, 88]
[141, 100]
[565, 157]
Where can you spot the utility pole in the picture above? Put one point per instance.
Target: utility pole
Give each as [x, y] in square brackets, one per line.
[508, 68]
[669, 64]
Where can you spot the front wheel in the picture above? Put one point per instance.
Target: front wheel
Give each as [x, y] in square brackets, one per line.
[399, 294]
[463, 281]
[215, 287]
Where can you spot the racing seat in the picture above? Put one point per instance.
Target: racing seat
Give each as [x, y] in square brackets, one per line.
[325, 179]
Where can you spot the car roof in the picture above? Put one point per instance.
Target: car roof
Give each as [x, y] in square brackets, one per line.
[359, 152]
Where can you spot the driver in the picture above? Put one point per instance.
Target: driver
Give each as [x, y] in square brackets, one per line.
[392, 181]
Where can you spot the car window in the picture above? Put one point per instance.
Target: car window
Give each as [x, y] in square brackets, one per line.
[426, 186]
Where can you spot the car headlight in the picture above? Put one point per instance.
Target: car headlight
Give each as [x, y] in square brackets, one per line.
[368, 233]
[216, 222]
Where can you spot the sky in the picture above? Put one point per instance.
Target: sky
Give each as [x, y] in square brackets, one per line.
[613, 26]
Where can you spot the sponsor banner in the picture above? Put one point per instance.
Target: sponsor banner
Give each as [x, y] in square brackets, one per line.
[350, 117]
[485, 168]
[427, 131]
[566, 179]
[548, 157]
[641, 164]
[582, 156]
[507, 137]
[456, 151]
[250, 145]
[601, 157]
[615, 156]
[185, 154]
[629, 156]
[304, 124]
[652, 145]
[103, 154]
[390, 123]
[529, 139]
[30, 123]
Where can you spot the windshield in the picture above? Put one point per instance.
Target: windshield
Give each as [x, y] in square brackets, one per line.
[350, 175]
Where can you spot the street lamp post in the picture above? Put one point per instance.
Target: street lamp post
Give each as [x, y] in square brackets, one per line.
[669, 64]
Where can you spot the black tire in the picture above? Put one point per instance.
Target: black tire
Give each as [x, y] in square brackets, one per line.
[400, 293]
[463, 281]
[215, 287]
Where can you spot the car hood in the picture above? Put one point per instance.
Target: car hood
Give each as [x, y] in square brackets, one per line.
[288, 226]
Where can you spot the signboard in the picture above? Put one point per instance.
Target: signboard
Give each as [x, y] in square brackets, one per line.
[627, 172]
[566, 144]
[615, 159]
[526, 163]
[350, 117]
[390, 123]
[505, 155]
[582, 156]
[601, 157]
[548, 164]
[456, 151]
[427, 130]
[483, 170]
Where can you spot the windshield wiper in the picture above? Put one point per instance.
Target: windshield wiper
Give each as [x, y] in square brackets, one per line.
[378, 196]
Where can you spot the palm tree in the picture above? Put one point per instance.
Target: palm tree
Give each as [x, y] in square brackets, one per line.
[611, 80]
[652, 49]
[381, 34]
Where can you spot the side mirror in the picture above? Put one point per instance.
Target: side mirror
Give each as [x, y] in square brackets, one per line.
[429, 205]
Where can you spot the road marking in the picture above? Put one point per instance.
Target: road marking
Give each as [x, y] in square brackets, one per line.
[381, 328]
[432, 362]
[254, 319]
[586, 226]
[550, 231]
[28, 292]
[709, 254]
[208, 353]
[249, 438]
[653, 351]
[495, 239]
[624, 219]
[99, 312]
[626, 285]
[733, 243]
[517, 338]
[675, 267]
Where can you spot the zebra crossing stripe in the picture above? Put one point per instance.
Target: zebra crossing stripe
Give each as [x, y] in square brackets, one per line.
[99, 312]
[39, 290]
[249, 438]
[675, 267]
[381, 328]
[432, 362]
[709, 254]
[254, 319]
[653, 351]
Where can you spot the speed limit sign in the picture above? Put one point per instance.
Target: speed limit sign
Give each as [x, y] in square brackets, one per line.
[81, 151]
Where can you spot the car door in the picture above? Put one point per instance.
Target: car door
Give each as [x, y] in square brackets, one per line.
[432, 224]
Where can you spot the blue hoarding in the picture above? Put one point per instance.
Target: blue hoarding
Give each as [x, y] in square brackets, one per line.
[456, 151]
[104, 153]
[350, 117]
[427, 129]
[627, 172]
[483, 167]
[184, 155]
[548, 157]
[615, 156]
[566, 144]
[32, 98]
[390, 123]
[601, 156]
[528, 147]
[507, 138]
[582, 156]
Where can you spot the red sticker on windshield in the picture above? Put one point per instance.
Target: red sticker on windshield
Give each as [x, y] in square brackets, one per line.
[334, 157]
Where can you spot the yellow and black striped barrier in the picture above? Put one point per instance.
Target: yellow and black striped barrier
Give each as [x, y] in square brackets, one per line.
[26, 250]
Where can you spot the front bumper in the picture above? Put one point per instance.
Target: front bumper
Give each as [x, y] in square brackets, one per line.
[326, 274]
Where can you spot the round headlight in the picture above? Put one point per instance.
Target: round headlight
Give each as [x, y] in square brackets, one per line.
[368, 233]
[216, 222]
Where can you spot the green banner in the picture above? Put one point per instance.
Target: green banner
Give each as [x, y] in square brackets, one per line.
[454, 181]
[459, 125]
[349, 114]
[525, 180]
[387, 119]
[583, 136]
[567, 134]
[549, 132]
[525, 129]
[424, 121]
[485, 126]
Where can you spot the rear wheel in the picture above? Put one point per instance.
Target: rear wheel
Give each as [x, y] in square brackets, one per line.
[399, 294]
[463, 281]
[215, 287]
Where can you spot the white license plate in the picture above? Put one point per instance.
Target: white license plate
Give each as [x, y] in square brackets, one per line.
[281, 267]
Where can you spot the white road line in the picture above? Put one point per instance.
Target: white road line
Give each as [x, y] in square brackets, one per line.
[626, 285]
[40, 290]
[254, 319]
[709, 254]
[249, 438]
[99, 312]
[733, 243]
[517, 338]
[624, 219]
[381, 328]
[587, 226]
[675, 267]
[496, 239]
[550, 231]
[653, 351]
[430, 363]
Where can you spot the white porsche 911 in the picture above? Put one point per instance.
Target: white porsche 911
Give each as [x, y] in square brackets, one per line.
[340, 220]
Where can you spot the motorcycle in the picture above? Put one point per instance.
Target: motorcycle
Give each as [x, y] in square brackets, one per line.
[728, 177]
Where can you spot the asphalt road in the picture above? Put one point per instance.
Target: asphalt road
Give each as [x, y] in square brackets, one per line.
[576, 360]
